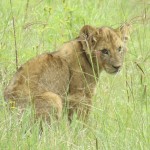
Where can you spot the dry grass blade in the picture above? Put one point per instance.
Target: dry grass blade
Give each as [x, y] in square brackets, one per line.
[27, 25]
[14, 34]
[139, 67]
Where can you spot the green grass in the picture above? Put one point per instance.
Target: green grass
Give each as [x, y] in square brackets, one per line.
[120, 116]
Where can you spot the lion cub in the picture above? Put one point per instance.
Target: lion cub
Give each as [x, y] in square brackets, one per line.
[67, 78]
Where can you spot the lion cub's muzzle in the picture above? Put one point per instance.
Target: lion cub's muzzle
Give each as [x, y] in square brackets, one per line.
[116, 67]
[112, 69]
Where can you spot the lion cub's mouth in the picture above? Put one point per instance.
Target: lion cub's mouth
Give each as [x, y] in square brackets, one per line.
[112, 70]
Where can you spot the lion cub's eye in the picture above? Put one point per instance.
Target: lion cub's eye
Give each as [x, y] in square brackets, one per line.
[120, 49]
[104, 51]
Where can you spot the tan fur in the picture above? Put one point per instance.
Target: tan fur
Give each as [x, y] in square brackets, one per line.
[67, 78]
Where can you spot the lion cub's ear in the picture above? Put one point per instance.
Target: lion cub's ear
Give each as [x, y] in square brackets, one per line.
[88, 36]
[124, 31]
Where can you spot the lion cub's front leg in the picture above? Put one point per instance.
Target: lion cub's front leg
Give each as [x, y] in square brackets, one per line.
[79, 104]
[47, 105]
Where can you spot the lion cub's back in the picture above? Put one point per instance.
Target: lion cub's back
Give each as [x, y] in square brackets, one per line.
[41, 74]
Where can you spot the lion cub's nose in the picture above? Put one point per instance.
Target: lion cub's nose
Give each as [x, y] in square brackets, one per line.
[116, 67]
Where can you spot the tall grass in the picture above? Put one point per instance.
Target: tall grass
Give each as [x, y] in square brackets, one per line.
[120, 117]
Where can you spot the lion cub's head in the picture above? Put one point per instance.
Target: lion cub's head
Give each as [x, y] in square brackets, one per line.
[105, 46]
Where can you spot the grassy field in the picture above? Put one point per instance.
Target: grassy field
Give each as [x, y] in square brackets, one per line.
[120, 116]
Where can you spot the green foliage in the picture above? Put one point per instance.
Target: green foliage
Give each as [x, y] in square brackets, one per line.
[120, 117]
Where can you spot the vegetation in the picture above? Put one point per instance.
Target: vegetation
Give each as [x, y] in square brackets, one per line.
[120, 117]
